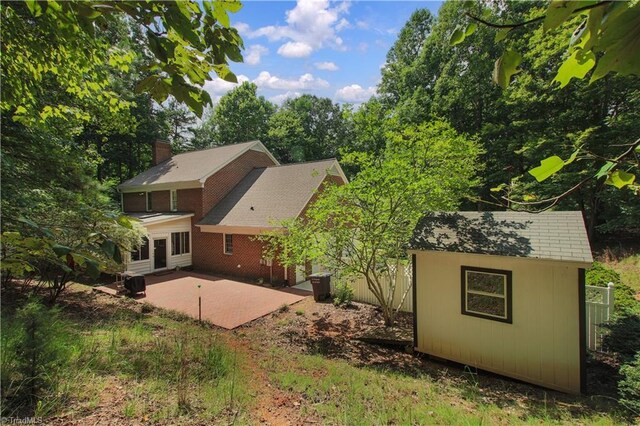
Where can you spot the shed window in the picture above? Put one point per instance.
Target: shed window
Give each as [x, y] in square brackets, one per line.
[179, 243]
[486, 293]
[174, 200]
[228, 244]
[142, 253]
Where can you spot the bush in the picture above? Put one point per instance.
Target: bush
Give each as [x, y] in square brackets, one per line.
[629, 386]
[35, 346]
[624, 296]
[623, 336]
[343, 294]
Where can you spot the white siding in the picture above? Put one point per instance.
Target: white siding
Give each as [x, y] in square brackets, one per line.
[160, 231]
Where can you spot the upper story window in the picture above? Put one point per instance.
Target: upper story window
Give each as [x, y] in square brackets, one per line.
[179, 243]
[142, 253]
[486, 293]
[149, 205]
[228, 244]
[174, 200]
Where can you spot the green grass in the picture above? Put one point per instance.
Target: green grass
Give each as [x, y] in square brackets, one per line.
[343, 394]
[629, 270]
[170, 371]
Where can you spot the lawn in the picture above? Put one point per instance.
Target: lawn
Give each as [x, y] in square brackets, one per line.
[133, 363]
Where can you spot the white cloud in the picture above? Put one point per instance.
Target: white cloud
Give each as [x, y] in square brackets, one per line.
[355, 93]
[295, 49]
[363, 25]
[279, 99]
[254, 54]
[363, 46]
[218, 87]
[304, 82]
[326, 66]
[313, 23]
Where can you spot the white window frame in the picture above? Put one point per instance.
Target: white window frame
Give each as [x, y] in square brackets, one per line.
[506, 294]
[173, 200]
[181, 237]
[224, 244]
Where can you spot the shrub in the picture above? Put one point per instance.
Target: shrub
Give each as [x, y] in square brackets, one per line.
[343, 294]
[624, 296]
[629, 386]
[623, 336]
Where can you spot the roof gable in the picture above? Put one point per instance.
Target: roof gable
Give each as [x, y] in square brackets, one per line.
[549, 235]
[268, 195]
[190, 169]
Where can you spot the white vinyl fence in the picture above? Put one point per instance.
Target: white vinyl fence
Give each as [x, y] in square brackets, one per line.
[599, 308]
[361, 292]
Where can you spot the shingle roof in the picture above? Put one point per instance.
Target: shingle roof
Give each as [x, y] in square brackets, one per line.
[268, 195]
[190, 167]
[548, 235]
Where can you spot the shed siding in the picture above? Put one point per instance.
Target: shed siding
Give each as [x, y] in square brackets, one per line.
[541, 346]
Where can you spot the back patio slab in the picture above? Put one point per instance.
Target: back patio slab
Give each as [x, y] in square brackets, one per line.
[225, 302]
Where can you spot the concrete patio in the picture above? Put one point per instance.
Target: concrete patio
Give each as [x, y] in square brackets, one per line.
[225, 302]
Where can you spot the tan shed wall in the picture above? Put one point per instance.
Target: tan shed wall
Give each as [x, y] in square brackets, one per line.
[541, 346]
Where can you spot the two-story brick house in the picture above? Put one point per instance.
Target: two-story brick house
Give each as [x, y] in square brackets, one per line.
[204, 208]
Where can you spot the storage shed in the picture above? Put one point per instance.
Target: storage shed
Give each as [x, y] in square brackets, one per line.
[504, 292]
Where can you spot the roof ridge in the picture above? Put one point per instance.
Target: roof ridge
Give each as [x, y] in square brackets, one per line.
[302, 162]
[216, 147]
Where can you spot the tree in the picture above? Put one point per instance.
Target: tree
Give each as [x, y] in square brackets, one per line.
[65, 46]
[363, 227]
[307, 128]
[240, 116]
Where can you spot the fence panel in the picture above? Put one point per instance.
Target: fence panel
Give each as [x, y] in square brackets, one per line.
[361, 292]
[599, 301]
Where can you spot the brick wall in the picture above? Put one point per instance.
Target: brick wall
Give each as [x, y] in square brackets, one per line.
[160, 151]
[219, 184]
[160, 201]
[244, 262]
[134, 202]
[190, 200]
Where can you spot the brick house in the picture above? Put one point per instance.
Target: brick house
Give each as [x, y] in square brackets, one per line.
[204, 208]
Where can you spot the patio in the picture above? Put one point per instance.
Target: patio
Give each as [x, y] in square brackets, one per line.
[225, 302]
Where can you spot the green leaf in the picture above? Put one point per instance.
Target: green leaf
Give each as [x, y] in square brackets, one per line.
[93, 268]
[529, 197]
[547, 167]
[498, 188]
[60, 250]
[558, 12]
[501, 34]
[620, 179]
[573, 156]
[108, 248]
[505, 67]
[471, 28]
[604, 170]
[577, 65]
[457, 37]
[232, 6]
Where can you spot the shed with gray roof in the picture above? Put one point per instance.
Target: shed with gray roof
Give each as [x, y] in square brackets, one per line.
[503, 292]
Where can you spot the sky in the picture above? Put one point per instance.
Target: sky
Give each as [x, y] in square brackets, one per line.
[329, 49]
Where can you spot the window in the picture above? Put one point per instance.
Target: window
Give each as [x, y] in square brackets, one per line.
[228, 244]
[174, 200]
[179, 243]
[149, 206]
[486, 293]
[142, 253]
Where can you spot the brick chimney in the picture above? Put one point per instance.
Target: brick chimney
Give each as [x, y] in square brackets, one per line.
[160, 151]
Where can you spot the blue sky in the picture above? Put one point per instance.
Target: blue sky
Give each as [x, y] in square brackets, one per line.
[331, 49]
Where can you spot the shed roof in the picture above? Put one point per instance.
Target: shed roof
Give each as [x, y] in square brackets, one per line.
[548, 235]
[191, 169]
[268, 195]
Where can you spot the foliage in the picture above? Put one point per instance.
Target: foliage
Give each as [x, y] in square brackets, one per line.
[629, 386]
[623, 336]
[240, 116]
[343, 295]
[625, 301]
[188, 40]
[363, 227]
[307, 128]
[35, 347]
[599, 275]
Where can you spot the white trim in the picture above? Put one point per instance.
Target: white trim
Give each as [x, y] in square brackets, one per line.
[152, 258]
[186, 184]
[256, 146]
[575, 263]
[162, 219]
[148, 201]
